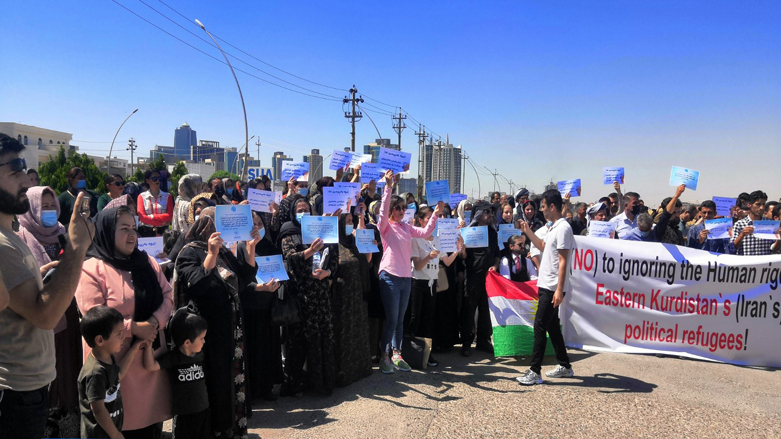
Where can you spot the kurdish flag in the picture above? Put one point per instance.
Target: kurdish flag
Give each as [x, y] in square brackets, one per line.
[513, 306]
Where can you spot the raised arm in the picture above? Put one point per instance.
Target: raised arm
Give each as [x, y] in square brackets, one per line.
[382, 221]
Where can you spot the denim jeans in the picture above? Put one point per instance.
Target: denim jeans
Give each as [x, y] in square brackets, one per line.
[394, 292]
[23, 414]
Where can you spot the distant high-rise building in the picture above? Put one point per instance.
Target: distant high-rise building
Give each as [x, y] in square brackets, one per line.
[315, 165]
[408, 185]
[276, 163]
[374, 148]
[428, 151]
[230, 159]
[446, 164]
[184, 139]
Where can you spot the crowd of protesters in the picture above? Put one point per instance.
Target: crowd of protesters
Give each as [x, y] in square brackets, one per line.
[94, 330]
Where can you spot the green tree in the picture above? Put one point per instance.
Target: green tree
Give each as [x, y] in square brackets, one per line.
[138, 176]
[173, 180]
[223, 174]
[159, 164]
[53, 173]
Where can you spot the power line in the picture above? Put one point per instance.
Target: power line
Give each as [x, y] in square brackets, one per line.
[217, 59]
[253, 57]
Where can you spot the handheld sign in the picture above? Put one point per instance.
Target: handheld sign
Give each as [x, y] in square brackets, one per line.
[335, 198]
[153, 247]
[323, 227]
[467, 216]
[340, 160]
[571, 187]
[765, 229]
[260, 200]
[371, 171]
[448, 240]
[505, 232]
[601, 229]
[455, 199]
[409, 215]
[611, 175]
[724, 205]
[397, 161]
[437, 191]
[684, 176]
[360, 159]
[364, 240]
[270, 268]
[234, 222]
[475, 237]
[719, 228]
[445, 223]
[355, 187]
[299, 170]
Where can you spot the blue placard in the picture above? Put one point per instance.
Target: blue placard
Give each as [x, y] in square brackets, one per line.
[437, 191]
[724, 205]
[475, 237]
[611, 175]
[234, 222]
[323, 227]
[719, 228]
[261, 200]
[467, 216]
[601, 229]
[364, 240]
[684, 176]
[270, 268]
[340, 160]
[571, 187]
[455, 200]
[448, 240]
[335, 198]
[397, 161]
[505, 232]
[299, 170]
[765, 229]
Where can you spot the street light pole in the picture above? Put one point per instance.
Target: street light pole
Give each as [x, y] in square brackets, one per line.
[243, 108]
[108, 162]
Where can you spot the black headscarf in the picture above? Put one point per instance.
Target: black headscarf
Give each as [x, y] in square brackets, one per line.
[148, 293]
[348, 242]
[292, 226]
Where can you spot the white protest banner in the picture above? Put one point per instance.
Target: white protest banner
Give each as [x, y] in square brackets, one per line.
[642, 297]
[360, 159]
[153, 247]
[601, 229]
[260, 200]
[340, 160]
[719, 228]
[299, 170]
[397, 161]
[723, 205]
[335, 198]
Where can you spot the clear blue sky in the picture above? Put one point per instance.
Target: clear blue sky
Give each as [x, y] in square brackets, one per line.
[536, 90]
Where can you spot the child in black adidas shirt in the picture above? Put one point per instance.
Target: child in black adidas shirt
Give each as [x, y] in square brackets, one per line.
[184, 364]
[100, 399]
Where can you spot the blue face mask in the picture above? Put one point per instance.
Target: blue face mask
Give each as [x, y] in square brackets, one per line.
[48, 218]
[550, 224]
[262, 232]
[301, 215]
[303, 191]
[229, 190]
[81, 184]
[348, 229]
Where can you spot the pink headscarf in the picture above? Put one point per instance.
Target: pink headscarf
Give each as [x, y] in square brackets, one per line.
[31, 220]
[121, 200]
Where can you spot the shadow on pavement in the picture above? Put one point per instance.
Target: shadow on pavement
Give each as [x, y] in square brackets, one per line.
[611, 382]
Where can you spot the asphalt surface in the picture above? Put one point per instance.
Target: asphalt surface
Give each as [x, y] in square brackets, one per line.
[611, 395]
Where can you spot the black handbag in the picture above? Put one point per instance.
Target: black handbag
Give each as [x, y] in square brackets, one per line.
[285, 310]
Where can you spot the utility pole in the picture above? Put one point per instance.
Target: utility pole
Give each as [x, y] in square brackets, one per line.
[464, 157]
[131, 146]
[399, 127]
[258, 144]
[352, 115]
[421, 151]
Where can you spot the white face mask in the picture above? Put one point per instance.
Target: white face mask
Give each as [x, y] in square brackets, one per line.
[301, 215]
[348, 229]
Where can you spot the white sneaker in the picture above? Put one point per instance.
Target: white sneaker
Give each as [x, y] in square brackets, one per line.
[529, 378]
[560, 372]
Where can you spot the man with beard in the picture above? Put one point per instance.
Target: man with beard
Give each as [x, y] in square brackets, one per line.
[26, 336]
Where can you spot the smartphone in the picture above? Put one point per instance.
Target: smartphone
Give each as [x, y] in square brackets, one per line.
[84, 204]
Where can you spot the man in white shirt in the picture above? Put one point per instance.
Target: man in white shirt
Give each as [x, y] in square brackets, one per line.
[552, 284]
[627, 221]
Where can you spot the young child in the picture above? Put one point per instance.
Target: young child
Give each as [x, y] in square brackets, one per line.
[100, 399]
[185, 368]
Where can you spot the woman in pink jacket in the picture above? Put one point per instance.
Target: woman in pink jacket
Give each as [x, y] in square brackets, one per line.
[118, 275]
[396, 271]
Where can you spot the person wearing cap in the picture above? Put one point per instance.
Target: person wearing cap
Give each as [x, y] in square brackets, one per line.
[520, 197]
[597, 212]
[479, 261]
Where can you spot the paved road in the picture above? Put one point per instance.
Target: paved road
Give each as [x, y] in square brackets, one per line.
[612, 395]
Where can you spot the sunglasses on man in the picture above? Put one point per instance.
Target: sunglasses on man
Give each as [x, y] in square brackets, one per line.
[17, 164]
